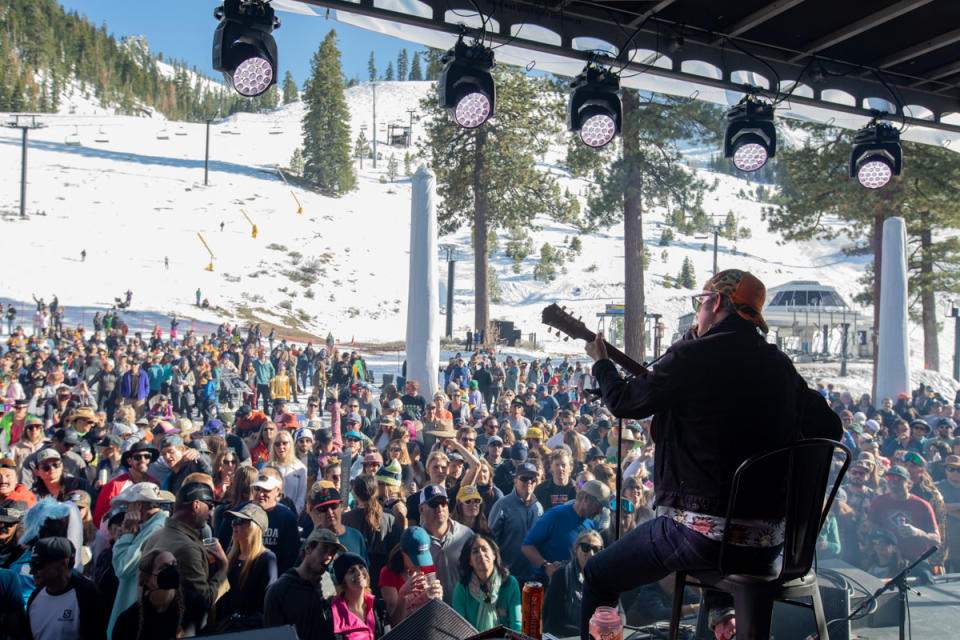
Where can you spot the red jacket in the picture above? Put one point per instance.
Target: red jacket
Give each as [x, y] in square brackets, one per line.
[109, 492]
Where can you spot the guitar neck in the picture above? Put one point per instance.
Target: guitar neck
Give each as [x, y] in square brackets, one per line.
[623, 359]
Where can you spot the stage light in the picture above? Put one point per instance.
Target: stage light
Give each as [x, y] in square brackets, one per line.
[876, 155]
[750, 137]
[594, 108]
[466, 87]
[243, 48]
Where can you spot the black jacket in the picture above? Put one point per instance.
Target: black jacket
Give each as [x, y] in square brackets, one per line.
[719, 399]
[93, 612]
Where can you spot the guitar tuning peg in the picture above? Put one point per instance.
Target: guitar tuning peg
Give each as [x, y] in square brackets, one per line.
[566, 338]
[564, 307]
[579, 318]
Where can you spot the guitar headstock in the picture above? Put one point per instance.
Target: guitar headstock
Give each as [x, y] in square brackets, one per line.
[556, 317]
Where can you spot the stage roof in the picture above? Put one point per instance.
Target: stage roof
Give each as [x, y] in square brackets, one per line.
[836, 62]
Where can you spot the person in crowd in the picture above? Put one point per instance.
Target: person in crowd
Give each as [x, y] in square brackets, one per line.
[512, 517]
[239, 492]
[10, 489]
[408, 581]
[281, 535]
[949, 488]
[225, 465]
[380, 530]
[503, 476]
[251, 569]
[173, 450]
[295, 598]
[489, 492]
[137, 460]
[558, 488]
[12, 513]
[160, 611]
[547, 545]
[486, 595]
[357, 613]
[327, 513]
[627, 522]
[202, 583]
[260, 447]
[51, 480]
[293, 472]
[469, 510]
[909, 518]
[564, 595]
[64, 603]
[144, 506]
[447, 536]
[883, 559]
[30, 442]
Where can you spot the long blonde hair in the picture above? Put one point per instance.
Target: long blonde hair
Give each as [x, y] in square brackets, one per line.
[291, 450]
[255, 542]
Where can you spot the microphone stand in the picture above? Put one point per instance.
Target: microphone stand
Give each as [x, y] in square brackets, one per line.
[900, 582]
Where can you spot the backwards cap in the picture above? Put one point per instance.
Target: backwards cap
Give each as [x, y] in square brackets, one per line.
[745, 292]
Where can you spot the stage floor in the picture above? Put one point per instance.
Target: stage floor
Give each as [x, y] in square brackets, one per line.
[934, 614]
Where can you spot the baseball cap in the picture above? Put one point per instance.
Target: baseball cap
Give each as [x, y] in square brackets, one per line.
[494, 439]
[534, 432]
[267, 482]
[252, 512]
[51, 549]
[110, 441]
[598, 490]
[243, 411]
[920, 424]
[353, 434]
[468, 492]
[518, 451]
[871, 425]
[67, 436]
[432, 491]
[745, 292]
[527, 469]
[171, 441]
[897, 470]
[47, 454]
[213, 427]
[325, 496]
[415, 542]
[196, 491]
[594, 454]
[80, 498]
[915, 458]
[324, 536]
[12, 511]
[302, 433]
[353, 417]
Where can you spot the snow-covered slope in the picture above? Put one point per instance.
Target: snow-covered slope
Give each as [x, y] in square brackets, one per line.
[138, 197]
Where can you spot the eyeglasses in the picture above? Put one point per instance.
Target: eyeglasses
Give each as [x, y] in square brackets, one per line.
[527, 479]
[51, 465]
[589, 548]
[475, 502]
[324, 508]
[952, 469]
[699, 298]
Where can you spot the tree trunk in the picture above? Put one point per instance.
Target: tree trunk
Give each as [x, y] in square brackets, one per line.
[481, 313]
[877, 242]
[928, 298]
[633, 299]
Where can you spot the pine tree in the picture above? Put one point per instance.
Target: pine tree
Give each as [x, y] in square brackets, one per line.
[290, 92]
[434, 64]
[686, 279]
[361, 148]
[296, 162]
[393, 167]
[650, 173]
[415, 72]
[326, 123]
[388, 76]
[403, 64]
[487, 177]
[371, 68]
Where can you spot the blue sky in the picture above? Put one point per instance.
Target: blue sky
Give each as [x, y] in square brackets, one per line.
[183, 29]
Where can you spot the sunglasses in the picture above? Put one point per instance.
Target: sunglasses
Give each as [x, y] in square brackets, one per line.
[324, 508]
[953, 469]
[526, 479]
[395, 449]
[858, 472]
[229, 461]
[436, 504]
[699, 298]
[475, 502]
[589, 548]
[141, 456]
[50, 465]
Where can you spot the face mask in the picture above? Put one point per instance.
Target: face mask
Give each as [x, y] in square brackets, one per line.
[169, 577]
[483, 488]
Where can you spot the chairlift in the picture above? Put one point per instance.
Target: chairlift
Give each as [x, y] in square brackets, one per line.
[101, 136]
[163, 134]
[180, 131]
[276, 129]
[74, 138]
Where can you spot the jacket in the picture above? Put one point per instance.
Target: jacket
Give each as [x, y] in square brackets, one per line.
[293, 600]
[137, 389]
[510, 520]
[187, 546]
[92, 611]
[719, 399]
[126, 558]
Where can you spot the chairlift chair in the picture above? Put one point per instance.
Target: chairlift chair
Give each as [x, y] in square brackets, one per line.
[101, 136]
[276, 129]
[180, 131]
[163, 134]
[74, 138]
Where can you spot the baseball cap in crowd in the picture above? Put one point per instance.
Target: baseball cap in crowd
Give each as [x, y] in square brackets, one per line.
[527, 469]
[171, 441]
[324, 536]
[598, 490]
[47, 454]
[495, 440]
[415, 542]
[920, 424]
[744, 290]
[12, 511]
[372, 458]
[243, 411]
[518, 451]
[51, 549]
[302, 433]
[896, 470]
[855, 427]
[199, 491]
[122, 429]
[110, 441]
[453, 456]
[343, 563]
[325, 496]
[859, 417]
[594, 454]
[214, 427]
[915, 458]
[542, 388]
[468, 492]
[534, 432]
[390, 474]
[871, 425]
[353, 434]
[252, 512]
[267, 482]
[353, 417]
[67, 436]
[432, 491]
[80, 498]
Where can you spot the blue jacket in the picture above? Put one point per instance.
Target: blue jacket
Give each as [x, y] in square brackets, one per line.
[142, 386]
[264, 370]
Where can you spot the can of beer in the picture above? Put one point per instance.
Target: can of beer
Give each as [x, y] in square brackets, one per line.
[531, 605]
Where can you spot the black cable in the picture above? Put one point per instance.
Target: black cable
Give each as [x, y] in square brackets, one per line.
[896, 99]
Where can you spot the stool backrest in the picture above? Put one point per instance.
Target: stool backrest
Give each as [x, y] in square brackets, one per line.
[807, 465]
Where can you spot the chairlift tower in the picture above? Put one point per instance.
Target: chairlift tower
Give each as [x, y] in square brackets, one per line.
[24, 123]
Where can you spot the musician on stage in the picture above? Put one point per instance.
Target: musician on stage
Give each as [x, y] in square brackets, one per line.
[721, 395]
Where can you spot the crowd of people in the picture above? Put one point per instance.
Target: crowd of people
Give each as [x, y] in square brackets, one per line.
[159, 487]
